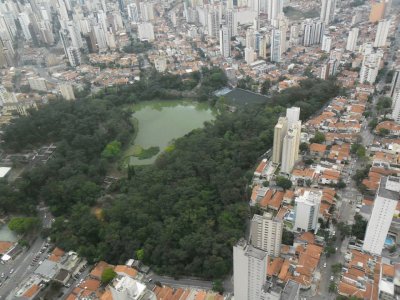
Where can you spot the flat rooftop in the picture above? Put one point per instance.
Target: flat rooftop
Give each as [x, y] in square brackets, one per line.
[240, 98]
[385, 193]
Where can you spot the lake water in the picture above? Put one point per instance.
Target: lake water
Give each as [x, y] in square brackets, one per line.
[160, 122]
[6, 235]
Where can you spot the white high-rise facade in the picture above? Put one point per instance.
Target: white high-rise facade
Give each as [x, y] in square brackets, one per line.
[213, 22]
[275, 8]
[133, 12]
[327, 11]
[146, 31]
[351, 44]
[395, 86]
[312, 32]
[396, 107]
[266, 233]
[289, 151]
[249, 271]
[279, 134]
[385, 203]
[370, 67]
[326, 43]
[382, 33]
[276, 45]
[307, 210]
[224, 42]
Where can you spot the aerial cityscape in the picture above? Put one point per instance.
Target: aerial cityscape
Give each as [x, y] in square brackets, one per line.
[200, 149]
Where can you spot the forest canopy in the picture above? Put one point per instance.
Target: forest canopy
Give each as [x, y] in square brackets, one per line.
[184, 213]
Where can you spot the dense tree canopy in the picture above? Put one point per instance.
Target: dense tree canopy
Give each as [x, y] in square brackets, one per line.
[182, 214]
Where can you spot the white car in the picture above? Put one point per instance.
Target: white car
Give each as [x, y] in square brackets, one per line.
[11, 271]
[324, 265]
[332, 278]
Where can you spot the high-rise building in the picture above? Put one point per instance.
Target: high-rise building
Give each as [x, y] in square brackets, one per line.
[370, 67]
[395, 86]
[249, 55]
[385, 203]
[146, 11]
[74, 56]
[327, 11]
[329, 68]
[279, 134]
[213, 22]
[224, 42]
[312, 32]
[75, 35]
[275, 8]
[382, 33]
[67, 91]
[326, 43]
[266, 233]
[276, 45]
[231, 22]
[133, 12]
[146, 32]
[351, 44]
[396, 106]
[293, 115]
[24, 21]
[377, 11]
[249, 271]
[289, 150]
[307, 210]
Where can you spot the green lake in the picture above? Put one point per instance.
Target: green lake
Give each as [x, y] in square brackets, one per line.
[160, 122]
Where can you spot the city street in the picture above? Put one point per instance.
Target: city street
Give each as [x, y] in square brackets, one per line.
[21, 266]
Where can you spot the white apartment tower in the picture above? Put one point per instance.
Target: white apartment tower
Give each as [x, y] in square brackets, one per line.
[133, 12]
[385, 203]
[74, 56]
[326, 43]
[146, 31]
[370, 67]
[266, 234]
[249, 271]
[396, 107]
[279, 134]
[307, 210]
[276, 45]
[213, 22]
[312, 32]
[382, 33]
[351, 44]
[289, 150]
[275, 8]
[327, 11]
[395, 86]
[224, 42]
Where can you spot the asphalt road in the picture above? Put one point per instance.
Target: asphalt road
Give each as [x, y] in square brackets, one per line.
[21, 265]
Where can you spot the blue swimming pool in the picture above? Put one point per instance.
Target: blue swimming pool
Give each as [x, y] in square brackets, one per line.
[389, 241]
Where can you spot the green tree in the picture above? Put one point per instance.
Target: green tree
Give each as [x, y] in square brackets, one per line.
[112, 150]
[287, 237]
[139, 254]
[336, 268]
[332, 287]
[383, 132]
[318, 138]
[266, 85]
[283, 182]
[218, 286]
[304, 147]
[108, 275]
[23, 225]
[359, 227]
